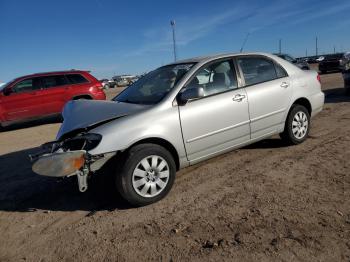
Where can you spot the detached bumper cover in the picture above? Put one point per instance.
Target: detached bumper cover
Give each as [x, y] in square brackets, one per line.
[60, 164]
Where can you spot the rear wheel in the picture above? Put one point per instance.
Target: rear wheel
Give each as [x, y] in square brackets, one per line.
[297, 125]
[147, 174]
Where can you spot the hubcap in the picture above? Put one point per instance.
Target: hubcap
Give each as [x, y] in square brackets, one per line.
[150, 176]
[300, 125]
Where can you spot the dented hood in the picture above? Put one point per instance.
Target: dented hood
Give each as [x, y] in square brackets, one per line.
[81, 114]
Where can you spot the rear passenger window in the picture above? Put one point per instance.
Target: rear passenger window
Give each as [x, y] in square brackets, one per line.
[280, 71]
[77, 79]
[257, 69]
[52, 81]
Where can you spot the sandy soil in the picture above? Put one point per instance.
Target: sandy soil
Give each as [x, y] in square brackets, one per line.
[260, 203]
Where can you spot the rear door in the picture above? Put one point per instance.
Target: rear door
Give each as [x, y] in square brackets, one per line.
[24, 101]
[78, 85]
[54, 88]
[219, 120]
[269, 92]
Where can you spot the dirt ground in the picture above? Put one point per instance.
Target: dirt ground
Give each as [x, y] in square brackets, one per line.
[260, 203]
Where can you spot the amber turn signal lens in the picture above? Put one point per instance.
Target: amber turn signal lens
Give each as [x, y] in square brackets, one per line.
[78, 162]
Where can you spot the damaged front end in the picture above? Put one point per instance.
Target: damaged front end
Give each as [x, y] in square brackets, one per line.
[69, 156]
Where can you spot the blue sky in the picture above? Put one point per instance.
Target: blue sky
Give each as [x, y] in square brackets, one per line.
[113, 37]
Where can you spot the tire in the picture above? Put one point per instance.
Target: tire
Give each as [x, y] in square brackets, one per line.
[296, 131]
[106, 86]
[139, 181]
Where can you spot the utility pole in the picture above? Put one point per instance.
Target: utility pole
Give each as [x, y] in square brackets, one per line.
[306, 52]
[280, 46]
[334, 49]
[172, 23]
[316, 46]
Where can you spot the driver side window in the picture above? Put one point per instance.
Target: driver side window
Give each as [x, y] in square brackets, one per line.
[215, 78]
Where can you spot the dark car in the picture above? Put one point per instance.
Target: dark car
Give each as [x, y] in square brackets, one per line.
[43, 94]
[331, 63]
[302, 64]
[346, 71]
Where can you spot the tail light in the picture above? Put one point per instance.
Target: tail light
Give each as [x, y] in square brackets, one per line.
[319, 78]
[99, 85]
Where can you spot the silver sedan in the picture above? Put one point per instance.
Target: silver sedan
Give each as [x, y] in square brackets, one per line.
[181, 114]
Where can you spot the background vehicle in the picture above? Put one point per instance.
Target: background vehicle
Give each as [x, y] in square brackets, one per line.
[345, 63]
[124, 80]
[302, 64]
[44, 94]
[179, 115]
[321, 58]
[105, 83]
[330, 63]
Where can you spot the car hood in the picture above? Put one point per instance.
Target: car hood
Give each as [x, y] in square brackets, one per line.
[82, 114]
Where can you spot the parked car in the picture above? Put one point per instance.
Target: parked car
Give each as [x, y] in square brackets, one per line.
[179, 115]
[330, 63]
[43, 94]
[124, 80]
[321, 58]
[302, 64]
[112, 83]
[105, 83]
[346, 71]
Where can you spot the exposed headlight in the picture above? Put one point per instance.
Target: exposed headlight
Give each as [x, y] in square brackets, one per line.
[83, 141]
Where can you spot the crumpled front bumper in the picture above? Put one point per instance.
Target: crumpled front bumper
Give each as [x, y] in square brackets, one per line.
[60, 164]
[53, 161]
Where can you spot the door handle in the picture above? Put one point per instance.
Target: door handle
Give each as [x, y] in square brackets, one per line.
[284, 84]
[238, 98]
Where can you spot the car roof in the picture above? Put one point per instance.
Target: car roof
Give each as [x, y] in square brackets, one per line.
[56, 73]
[204, 59]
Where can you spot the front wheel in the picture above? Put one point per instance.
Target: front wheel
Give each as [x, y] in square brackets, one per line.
[147, 175]
[297, 125]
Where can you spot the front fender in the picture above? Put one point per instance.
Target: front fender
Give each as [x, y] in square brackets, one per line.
[120, 134]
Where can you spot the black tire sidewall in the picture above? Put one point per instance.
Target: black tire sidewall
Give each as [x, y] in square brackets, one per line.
[288, 129]
[125, 172]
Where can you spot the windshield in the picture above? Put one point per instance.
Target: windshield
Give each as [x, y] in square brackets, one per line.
[153, 87]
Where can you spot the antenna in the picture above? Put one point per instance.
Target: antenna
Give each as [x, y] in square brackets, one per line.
[245, 41]
[280, 46]
[172, 23]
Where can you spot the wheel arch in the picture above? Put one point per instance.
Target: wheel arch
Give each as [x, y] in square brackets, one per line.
[84, 96]
[161, 142]
[303, 102]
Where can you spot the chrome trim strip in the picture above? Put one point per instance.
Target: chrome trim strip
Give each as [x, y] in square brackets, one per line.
[267, 115]
[217, 131]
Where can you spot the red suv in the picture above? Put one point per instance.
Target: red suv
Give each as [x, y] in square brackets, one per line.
[45, 94]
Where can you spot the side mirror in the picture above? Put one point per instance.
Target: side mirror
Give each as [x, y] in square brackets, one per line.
[7, 91]
[191, 94]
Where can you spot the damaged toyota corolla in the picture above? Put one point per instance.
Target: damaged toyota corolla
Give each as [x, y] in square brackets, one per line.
[178, 115]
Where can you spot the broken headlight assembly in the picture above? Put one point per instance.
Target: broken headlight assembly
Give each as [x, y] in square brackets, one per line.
[82, 141]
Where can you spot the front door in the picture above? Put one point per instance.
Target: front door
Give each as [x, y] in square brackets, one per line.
[219, 120]
[24, 100]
